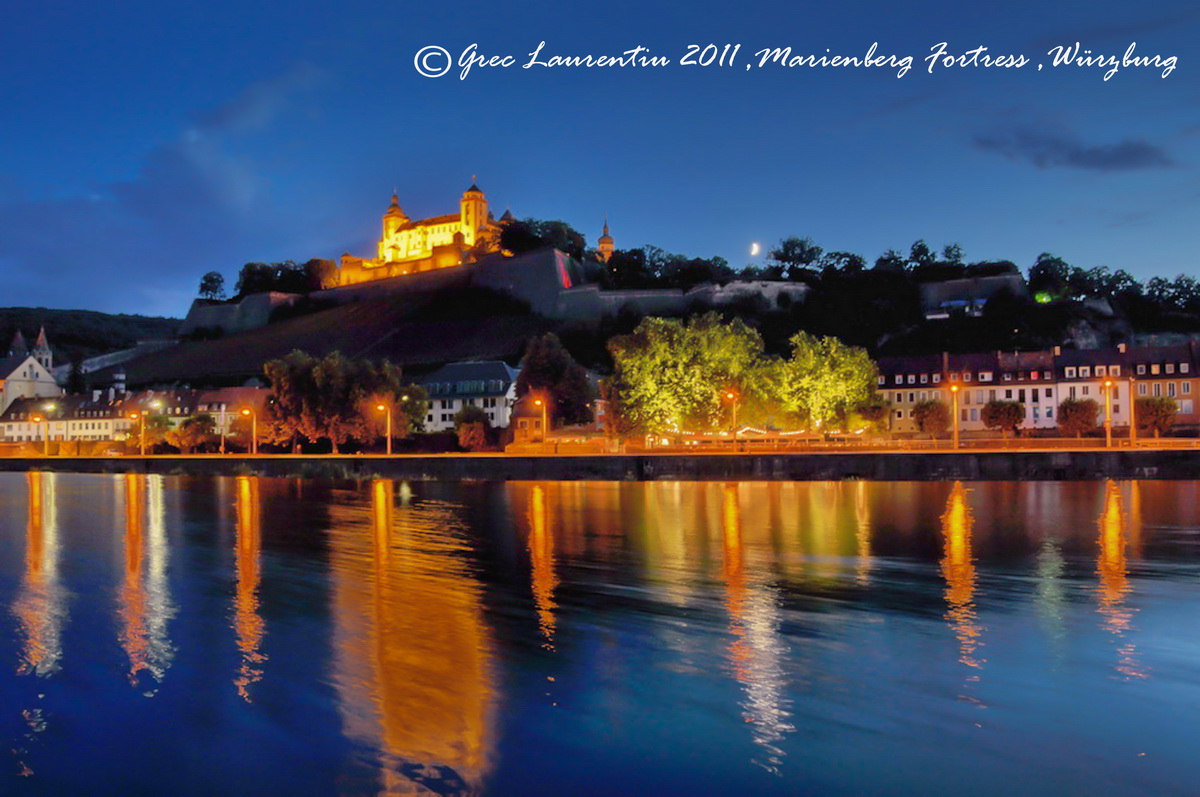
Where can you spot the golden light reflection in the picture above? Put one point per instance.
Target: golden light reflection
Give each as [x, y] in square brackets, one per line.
[412, 648]
[40, 606]
[757, 651]
[144, 609]
[247, 622]
[862, 533]
[1114, 585]
[958, 568]
[541, 556]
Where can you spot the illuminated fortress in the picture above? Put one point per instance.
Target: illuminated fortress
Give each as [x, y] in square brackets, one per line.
[408, 246]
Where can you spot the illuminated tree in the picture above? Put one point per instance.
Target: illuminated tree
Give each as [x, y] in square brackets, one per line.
[1156, 414]
[671, 374]
[473, 426]
[1077, 416]
[336, 398]
[1007, 416]
[192, 433]
[824, 378]
[875, 411]
[932, 417]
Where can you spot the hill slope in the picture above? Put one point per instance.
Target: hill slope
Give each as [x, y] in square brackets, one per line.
[82, 333]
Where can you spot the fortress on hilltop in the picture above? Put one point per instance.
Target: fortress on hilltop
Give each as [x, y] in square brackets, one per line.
[408, 247]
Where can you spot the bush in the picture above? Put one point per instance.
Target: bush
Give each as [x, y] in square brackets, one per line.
[1007, 416]
[932, 417]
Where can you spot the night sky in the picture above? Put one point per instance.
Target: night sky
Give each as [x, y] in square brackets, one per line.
[145, 143]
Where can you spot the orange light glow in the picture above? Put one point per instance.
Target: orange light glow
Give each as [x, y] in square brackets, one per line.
[248, 624]
[958, 568]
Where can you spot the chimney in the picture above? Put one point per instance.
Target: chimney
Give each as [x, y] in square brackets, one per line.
[1121, 348]
[119, 382]
[1058, 351]
[95, 395]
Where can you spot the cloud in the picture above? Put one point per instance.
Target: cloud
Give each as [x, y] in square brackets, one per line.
[196, 202]
[1052, 149]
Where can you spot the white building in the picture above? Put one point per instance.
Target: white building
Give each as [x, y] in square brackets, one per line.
[25, 373]
[490, 385]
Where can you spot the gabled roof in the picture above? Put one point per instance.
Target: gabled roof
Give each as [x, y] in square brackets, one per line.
[18, 345]
[10, 364]
[452, 374]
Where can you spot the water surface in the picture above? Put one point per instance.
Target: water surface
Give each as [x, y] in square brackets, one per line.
[177, 635]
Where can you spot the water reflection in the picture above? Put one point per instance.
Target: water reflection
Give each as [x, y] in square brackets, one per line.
[958, 568]
[41, 604]
[541, 557]
[757, 651]
[247, 622]
[143, 600]
[412, 649]
[1114, 585]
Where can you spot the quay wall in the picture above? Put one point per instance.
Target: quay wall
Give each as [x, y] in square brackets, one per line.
[874, 466]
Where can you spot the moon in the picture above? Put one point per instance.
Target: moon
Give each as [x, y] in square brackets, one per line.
[755, 249]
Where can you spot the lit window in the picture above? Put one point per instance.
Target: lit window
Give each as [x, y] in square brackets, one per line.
[1154, 368]
[1170, 368]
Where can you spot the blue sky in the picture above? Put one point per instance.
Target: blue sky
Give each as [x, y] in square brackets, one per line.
[148, 143]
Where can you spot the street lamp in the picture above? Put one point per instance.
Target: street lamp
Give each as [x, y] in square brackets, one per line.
[140, 416]
[954, 413]
[46, 438]
[732, 398]
[385, 409]
[1108, 413]
[542, 404]
[253, 430]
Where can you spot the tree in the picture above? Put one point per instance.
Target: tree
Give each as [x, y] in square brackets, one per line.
[932, 417]
[335, 398]
[1156, 414]
[76, 381]
[527, 235]
[875, 411]
[673, 375]
[845, 262]
[1007, 416]
[1048, 276]
[473, 427]
[192, 433]
[547, 366]
[891, 260]
[212, 286]
[824, 378]
[920, 255]
[1077, 417]
[792, 255]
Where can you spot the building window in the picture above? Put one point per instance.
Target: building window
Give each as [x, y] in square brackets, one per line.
[985, 376]
[1008, 377]
[1171, 389]
[1100, 371]
[1114, 370]
[1184, 368]
[1085, 371]
[1187, 388]
[937, 378]
[966, 376]
[882, 379]
[1141, 368]
[1070, 373]
[899, 379]
[1157, 389]
[1185, 406]
[953, 377]
[1141, 388]
[1170, 368]
[899, 414]
[912, 379]
[924, 379]
[1154, 368]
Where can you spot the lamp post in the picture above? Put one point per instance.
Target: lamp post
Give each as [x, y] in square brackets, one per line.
[954, 413]
[46, 438]
[140, 416]
[388, 411]
[542, 404]
[253, 430]
[224, 421]
[1108, 413]
[732, 398]
[1132, 414]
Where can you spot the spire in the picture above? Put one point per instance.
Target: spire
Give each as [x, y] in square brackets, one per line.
[41, 350]
[42, 343]
[18, 345]
[474, 188]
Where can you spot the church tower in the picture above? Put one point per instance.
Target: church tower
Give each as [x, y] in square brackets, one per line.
[41, 350]
[604, 245]
[394, 219]
[18, 345]
[474, 213]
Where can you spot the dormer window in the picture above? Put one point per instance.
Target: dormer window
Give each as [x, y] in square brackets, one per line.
[1114, 370]
[1170, 368]
[937, 378]
[985, 376]
[966, 376]
[1141, 369]
[924, 379]
[1101, 370]
[1085, 371]
[1069, 372]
